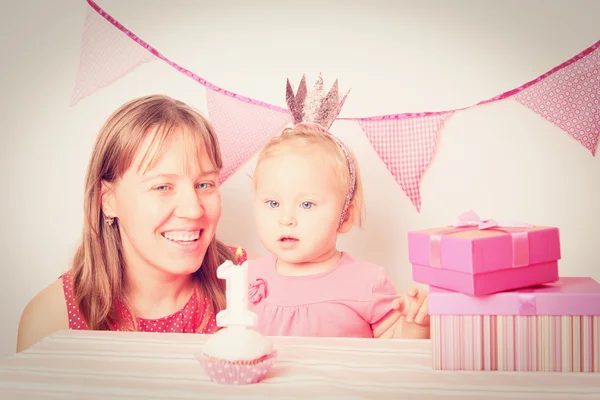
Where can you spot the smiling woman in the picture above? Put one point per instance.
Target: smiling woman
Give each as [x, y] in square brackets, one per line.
[148, 256]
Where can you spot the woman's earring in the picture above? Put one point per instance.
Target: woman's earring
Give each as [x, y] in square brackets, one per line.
[109, 220]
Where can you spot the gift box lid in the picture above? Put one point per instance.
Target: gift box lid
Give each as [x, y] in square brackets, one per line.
[567, 296]
[476, 251]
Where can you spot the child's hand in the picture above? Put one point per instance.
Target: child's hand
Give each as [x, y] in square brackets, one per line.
[414, 307]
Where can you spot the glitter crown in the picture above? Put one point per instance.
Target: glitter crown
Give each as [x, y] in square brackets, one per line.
[315, 106]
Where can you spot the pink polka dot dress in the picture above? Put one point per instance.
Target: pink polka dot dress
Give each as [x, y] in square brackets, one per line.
[195, 313]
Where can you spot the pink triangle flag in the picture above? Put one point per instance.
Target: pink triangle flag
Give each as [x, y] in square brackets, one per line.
[570, 99]
[106, 55]
[406, 145]
[242, 127]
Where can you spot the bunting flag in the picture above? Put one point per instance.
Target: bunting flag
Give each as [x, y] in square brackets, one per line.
[406, 146]
[106, 55]
[242, 128]
[567, 96]
[570, 98]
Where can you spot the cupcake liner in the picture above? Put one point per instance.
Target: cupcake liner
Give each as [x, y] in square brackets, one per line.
[237, 372]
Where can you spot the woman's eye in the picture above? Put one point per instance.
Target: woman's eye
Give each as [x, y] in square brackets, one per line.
[162, 188]
[307, 205]
[272, 203]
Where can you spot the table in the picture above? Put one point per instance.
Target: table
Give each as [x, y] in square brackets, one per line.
[128, 365]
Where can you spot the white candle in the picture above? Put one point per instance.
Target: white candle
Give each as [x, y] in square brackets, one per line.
[236, 312]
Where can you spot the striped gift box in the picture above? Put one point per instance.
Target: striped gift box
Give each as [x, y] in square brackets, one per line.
[552, 327]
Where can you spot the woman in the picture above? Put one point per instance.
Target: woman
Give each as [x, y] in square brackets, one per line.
[148, 257]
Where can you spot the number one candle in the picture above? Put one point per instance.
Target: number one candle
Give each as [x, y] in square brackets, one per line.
[236, 312]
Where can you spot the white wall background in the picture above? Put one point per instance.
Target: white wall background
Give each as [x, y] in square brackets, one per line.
[502, 160]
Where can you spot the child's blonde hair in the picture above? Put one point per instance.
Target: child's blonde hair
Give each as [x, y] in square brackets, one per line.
[304, 137]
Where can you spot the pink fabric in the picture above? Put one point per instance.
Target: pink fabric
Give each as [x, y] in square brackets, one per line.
[242, 128]
[106, 56]
[348, 301]
[185, 320]
[502, 96]
[566, 95]
[153, 52]
[406, 146]
[570, 99]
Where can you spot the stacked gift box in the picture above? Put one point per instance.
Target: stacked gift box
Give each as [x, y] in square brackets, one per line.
[496, 300]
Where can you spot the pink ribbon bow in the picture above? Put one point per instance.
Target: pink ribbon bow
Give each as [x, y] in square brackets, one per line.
[471, 219]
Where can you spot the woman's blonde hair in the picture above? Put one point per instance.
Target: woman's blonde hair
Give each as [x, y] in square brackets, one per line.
[303, 137]
[97, 270]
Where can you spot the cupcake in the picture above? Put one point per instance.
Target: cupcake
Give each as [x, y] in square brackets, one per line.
[237, 355]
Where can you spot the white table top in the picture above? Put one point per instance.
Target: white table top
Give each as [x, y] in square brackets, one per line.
[84, 364]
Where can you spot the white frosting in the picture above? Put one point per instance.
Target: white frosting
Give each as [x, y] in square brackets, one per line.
[237, 343]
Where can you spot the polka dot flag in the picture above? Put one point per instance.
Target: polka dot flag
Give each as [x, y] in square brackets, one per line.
[570, 99]
[242, 127]
[106, 55]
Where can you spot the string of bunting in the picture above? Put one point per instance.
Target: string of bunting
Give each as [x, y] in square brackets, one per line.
[567, 96]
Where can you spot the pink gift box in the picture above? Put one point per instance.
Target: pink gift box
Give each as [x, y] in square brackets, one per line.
[480, 261]
[551, 327]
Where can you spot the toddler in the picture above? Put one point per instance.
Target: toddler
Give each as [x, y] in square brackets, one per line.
[307, 192]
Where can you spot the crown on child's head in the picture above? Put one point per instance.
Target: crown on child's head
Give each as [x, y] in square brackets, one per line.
[316, 106]
[322, 109]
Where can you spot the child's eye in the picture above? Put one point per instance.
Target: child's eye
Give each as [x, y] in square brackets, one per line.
[307, 205]
[272, 203]
[204, 186]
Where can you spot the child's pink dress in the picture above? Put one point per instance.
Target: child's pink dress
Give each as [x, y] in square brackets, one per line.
[348, 301]
[194, 314]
